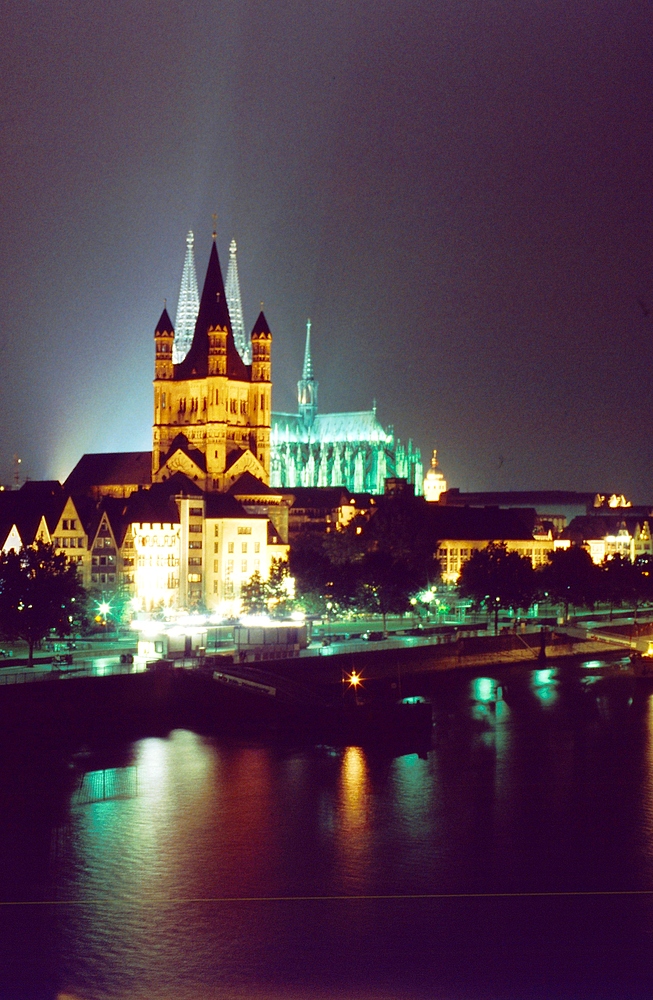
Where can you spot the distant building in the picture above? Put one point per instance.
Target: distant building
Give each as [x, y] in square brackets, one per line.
[616, 533]
[434, 482]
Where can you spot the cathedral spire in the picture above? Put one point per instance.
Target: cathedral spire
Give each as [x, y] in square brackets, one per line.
[307, 373]
[232, 291]
[187, 306]
[307, 385]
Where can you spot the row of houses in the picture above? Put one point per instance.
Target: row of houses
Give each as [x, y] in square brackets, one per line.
[169, 545]
[173, 544]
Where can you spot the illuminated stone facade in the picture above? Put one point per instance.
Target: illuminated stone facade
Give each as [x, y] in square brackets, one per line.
[212, 412]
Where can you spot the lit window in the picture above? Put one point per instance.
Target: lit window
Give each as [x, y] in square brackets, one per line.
[216, 565]
[243, 566]
[230, 547]
[244, 547]
[257, 546]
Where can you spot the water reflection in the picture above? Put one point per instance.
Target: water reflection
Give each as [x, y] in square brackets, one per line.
[353, 833]
[545, 685]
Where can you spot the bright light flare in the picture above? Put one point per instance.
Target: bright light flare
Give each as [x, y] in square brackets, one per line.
[355, 679]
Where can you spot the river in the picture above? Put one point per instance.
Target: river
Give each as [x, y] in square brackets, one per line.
[513, 859]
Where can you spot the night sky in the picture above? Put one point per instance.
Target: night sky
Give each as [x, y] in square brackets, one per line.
[459, 194]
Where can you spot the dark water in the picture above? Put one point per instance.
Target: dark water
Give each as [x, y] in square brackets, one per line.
[513, 861]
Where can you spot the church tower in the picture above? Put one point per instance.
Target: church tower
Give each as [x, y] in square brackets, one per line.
[212, 412]
[307, 385]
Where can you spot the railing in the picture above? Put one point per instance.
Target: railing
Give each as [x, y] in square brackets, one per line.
[29, 675]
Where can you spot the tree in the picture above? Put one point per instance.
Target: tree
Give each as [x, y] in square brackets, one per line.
[571, 578]
[496, 579]
[277, 586]
[39, 592]
[618, 583]
[254, 596]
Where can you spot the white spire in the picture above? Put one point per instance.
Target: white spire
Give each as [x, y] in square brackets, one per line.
[235, 306]
[187, 306]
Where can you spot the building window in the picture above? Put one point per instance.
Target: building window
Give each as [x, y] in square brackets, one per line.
[230, 547]
[243, 406]
[216, 565]
[244, 531]
[195, 528]
[194, 577]
[195, 511]
[230, 565]
[262, 401]
[197, 544]
[215, 586]
[243, 566]
[195, 561]
[244, 547]
[232, 406]
[257, 547]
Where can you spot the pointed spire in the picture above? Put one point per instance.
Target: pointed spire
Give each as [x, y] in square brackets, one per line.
[261, 325]
[213, 313]
[308, 364]
[188, 304]
[164, 325]
[307, 385]
[235, 305]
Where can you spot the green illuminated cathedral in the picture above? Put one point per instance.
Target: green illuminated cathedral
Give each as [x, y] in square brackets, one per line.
[308, 448]
[354, 450]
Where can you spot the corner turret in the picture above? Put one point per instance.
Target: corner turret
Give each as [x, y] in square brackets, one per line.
[164, 336]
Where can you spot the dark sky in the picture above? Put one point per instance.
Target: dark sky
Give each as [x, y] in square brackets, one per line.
[459, 194]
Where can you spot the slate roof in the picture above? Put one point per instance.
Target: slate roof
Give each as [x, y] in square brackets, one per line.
[478, 523]
[316, 497]
[123, 468]
[213, 312]
[223, 505]
[248, 485]
[328, 428]
[517, 498]
[261, 325]
[164, 325]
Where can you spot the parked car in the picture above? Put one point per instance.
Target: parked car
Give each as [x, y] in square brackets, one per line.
[62, 659]
[373, 636]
